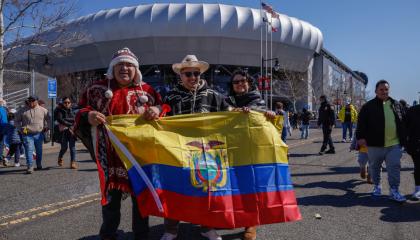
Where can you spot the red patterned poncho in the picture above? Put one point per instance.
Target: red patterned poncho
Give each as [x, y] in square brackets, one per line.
[112, 173]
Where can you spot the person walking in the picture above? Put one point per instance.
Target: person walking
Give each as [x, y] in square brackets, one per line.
[348, 117]
[413, 145]
[192, 95]
[65, 119]
[244, 95]
[3, 124]
[123, 92]
[381, 128]
[286, 123]
[304, 126]
[14, 138]
[31, 121]
[326, 119]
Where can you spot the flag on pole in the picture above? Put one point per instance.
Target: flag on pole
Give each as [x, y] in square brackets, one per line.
[222, 170]
[270, 10]
[267, 7]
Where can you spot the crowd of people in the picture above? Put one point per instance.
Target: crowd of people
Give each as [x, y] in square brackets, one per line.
[24, 131]
[380, 134]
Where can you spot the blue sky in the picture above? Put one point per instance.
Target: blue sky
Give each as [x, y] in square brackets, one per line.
[378, 37]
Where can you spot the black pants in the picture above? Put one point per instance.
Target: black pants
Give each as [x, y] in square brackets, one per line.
[326, 131]
[14, 150]
[111, 216]
[416, 160]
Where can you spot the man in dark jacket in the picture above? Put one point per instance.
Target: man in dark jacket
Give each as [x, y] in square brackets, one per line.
[380, 127]
[413, 145]
[326, 119]
[192, 95]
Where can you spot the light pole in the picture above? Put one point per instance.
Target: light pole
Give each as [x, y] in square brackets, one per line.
[47, 65]
[276, 68]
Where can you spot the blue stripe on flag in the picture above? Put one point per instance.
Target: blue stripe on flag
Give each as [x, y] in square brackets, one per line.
[240, 180]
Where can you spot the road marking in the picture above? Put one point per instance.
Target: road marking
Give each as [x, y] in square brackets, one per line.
[45, 208]
[46, 213]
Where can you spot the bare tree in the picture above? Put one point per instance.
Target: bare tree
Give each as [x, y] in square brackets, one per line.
[41, 23]
[74, 84]
[291, 84]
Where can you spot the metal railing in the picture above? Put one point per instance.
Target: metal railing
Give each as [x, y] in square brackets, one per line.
[17, 98]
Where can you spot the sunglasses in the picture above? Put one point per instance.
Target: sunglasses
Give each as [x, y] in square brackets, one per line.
[190, 74]
[238, 81]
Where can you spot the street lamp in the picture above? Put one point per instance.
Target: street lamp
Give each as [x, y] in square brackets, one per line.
[47, 65]
[276, 63]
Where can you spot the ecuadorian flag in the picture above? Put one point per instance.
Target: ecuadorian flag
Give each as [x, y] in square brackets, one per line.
[222, 170]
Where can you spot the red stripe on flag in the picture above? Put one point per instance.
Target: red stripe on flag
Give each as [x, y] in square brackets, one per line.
[224, 211]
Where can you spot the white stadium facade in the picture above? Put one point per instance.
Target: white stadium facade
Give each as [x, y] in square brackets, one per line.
[227, 37]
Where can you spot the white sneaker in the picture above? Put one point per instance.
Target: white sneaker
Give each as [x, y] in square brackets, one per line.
[211, 235]
[377, 191]
[168, 236]
[416, 194]
[344, 140]
[17, 164]
[395, 195]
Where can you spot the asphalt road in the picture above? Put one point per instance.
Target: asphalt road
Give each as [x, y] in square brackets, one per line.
[60, 203]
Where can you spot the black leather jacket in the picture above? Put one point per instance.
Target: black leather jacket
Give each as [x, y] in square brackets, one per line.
[371, 122]
[413, 130]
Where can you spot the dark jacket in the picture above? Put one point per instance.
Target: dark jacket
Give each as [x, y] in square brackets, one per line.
[413, 130]
[12, 133]
[371, 122]
[326, 115]
[306, 117]
[250, 99]
[65, 116]
[205, 99]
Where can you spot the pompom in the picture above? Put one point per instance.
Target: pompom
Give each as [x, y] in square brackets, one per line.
[109, 94]
[143, 99]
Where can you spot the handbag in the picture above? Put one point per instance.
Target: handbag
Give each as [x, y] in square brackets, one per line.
[47, 136]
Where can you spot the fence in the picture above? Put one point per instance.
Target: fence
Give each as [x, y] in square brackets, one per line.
[18, 85]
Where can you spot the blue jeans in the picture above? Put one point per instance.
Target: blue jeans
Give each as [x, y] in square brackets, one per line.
[305, 131]
[33, 141]
[284, 134]
[349, 126]
[1, 146]
[68, 140]
[392, 156]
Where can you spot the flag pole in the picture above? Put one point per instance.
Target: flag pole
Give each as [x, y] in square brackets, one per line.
[271, 63]
[261, 44]
[266, 66]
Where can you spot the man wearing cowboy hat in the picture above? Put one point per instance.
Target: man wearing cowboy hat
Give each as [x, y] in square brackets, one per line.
[192, 95]
[123, 92]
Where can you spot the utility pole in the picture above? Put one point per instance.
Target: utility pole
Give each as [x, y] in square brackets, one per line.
[1, 49]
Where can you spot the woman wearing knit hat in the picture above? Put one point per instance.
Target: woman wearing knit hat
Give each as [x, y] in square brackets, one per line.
[123, 92]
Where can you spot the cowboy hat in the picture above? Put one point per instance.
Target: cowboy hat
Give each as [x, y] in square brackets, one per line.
[190, 61]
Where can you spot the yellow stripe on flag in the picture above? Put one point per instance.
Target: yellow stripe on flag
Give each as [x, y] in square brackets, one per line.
[246, 138]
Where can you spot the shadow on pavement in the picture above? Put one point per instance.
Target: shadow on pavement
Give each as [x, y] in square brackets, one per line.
[186, 231]
[408, 212]
[303, 154]
[392, 212]
[336, 170]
